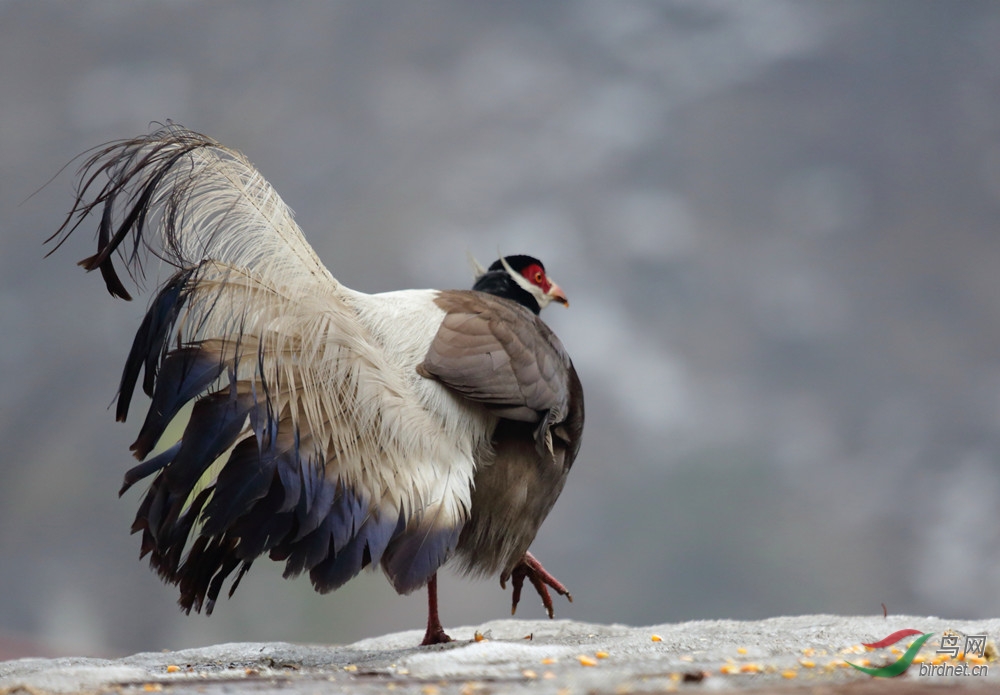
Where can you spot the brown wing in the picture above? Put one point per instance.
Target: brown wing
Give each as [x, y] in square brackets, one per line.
[496, 352]
[499, 354]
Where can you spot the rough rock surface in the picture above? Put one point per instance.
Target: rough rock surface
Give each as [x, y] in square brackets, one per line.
[791, 654]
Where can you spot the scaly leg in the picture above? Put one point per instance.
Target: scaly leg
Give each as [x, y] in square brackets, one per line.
[435, 632]
[531, 569]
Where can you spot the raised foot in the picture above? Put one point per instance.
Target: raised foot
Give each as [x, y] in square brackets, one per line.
[531, 569]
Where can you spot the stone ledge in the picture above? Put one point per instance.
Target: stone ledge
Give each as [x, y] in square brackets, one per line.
[788, 654]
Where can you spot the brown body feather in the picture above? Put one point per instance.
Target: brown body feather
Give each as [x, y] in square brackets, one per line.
[498, 353]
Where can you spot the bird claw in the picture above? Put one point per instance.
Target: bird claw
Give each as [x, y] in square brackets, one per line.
[435, 633]
[435, 636]
[531, 569]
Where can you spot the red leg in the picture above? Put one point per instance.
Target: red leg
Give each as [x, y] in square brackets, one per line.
[531, 569]
[435, 632]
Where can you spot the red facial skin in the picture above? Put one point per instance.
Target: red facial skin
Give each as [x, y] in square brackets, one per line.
[536, 276]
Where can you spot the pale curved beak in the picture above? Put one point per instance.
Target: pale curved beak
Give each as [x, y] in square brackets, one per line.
[557, 295]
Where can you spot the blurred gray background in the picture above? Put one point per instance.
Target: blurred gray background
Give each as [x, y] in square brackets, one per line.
[776, 221]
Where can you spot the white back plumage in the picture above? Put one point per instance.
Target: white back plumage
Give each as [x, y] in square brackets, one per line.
[328, 361]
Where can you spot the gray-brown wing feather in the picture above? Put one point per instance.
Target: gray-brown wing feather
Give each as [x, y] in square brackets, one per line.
[498, 353]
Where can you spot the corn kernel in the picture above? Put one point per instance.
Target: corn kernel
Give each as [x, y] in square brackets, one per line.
[528, 673]
[741, 650]
[808, 663]
[656, 638]
[729, 669]
[173, 668]
[602, 655]
[586, 660]
[750, 668]
[789, 674]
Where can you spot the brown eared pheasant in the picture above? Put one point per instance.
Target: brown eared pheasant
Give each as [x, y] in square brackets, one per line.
[326, 428]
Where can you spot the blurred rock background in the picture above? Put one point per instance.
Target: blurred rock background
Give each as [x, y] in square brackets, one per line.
[776, 222]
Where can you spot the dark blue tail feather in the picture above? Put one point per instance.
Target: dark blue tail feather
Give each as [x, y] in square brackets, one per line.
[245, 478]
[414, 556]
[150, 340]
[364, 549]
[216, 422]
[147, 468]
[183, 374]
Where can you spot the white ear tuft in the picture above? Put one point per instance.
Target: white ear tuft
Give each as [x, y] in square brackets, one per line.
[478, 268]
[510, 271]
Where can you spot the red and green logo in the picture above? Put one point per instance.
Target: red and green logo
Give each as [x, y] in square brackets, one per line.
[898, 667]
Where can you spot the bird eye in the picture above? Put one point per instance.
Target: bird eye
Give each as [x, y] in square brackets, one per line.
[539, 277]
